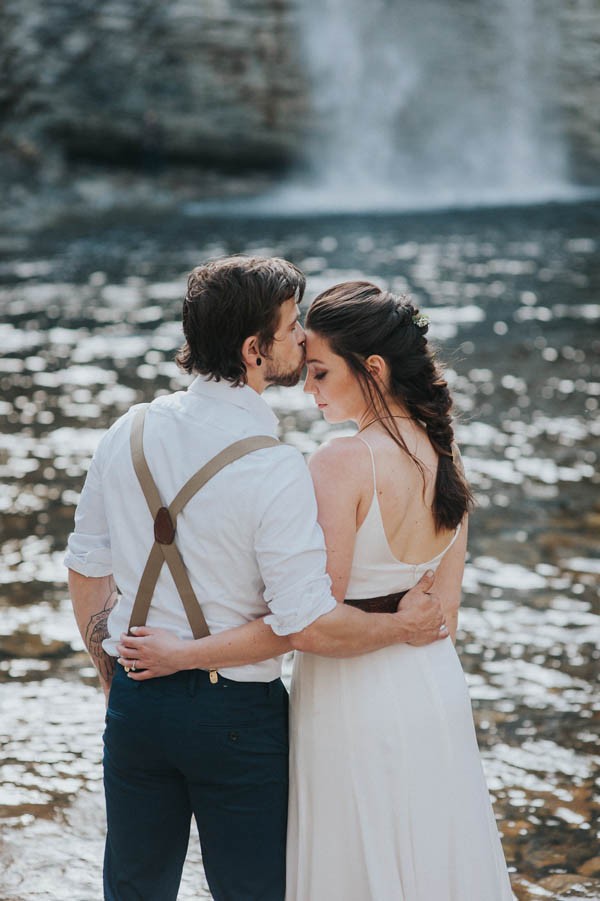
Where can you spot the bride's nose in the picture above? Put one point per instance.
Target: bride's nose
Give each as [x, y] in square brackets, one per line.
[308, 386]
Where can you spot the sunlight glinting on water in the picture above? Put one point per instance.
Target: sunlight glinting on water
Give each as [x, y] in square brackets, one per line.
[92, 329]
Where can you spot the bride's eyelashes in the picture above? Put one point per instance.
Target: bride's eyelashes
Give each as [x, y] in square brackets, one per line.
[319, 375]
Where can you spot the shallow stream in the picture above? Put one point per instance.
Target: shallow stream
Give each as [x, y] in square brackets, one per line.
[89, 322]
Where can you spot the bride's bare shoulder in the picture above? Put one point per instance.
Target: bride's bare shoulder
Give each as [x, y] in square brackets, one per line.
[339, 457]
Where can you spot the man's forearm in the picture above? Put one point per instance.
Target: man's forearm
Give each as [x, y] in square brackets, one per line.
[348, 632]
[343, 632]
[243, 645]
[93, 599]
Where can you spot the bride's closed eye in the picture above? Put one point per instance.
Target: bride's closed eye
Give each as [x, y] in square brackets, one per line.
[319, 375]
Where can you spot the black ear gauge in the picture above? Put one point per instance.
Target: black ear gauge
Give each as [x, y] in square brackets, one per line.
[258, 361]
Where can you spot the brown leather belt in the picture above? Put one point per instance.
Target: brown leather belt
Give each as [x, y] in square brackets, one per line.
[387, 603]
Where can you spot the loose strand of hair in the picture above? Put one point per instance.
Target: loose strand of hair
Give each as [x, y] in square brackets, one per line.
[389, 422]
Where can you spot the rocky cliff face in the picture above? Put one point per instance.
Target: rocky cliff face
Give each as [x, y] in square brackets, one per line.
[579, 61]
[201, 81]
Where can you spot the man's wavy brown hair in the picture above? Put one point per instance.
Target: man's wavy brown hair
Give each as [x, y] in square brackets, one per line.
[227, 301]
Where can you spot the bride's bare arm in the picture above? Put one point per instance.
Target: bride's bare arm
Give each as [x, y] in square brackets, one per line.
[449, 576]
[338, 472]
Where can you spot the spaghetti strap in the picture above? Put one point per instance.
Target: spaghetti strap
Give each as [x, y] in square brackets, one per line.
[372, 464]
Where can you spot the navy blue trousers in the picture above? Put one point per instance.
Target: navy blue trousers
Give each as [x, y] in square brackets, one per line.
[178, 747]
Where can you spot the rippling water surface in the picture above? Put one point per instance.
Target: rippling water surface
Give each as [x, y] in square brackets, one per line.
[89, 325]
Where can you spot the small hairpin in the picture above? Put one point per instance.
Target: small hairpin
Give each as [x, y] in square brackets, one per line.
[420, 320]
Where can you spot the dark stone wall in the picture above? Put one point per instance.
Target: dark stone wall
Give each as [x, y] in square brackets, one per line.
[195, 81]
[580, 86]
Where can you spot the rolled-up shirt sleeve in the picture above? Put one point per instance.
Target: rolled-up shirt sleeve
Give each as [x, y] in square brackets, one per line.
[290, 548]
[88, 548]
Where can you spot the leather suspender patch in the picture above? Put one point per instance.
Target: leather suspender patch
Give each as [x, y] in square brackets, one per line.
[164, 530]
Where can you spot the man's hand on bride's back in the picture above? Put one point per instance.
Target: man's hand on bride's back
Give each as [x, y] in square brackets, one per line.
[422, 613]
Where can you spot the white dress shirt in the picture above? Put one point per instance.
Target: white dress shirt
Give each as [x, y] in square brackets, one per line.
[249, 538]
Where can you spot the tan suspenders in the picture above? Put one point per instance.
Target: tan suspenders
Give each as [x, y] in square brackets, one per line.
[164, 548]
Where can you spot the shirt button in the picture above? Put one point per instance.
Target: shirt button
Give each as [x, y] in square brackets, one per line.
[234, 736]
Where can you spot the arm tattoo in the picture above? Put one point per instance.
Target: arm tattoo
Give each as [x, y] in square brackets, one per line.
[95, 633]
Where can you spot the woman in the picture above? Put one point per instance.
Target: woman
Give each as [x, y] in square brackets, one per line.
[387, 794]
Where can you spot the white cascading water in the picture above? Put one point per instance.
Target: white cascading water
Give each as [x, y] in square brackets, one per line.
[422, 103]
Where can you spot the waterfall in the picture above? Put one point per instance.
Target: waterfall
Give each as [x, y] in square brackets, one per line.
[433, 103]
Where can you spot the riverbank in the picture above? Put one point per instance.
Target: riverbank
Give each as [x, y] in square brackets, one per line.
[38, 204]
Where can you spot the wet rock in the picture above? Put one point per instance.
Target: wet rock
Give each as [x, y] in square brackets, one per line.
[528, 891]
[27, 644]
[590, 867]
[545, 858]
[571, 886]
[514, 829]
[563, 846]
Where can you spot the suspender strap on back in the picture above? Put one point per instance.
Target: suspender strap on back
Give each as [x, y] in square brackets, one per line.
[164, 548]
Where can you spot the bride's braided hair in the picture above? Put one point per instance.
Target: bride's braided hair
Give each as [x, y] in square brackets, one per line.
[359, 319]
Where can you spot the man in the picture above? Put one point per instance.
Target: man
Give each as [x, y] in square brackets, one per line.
[212, 744]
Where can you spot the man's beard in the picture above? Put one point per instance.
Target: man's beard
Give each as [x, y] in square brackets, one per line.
[276, 375]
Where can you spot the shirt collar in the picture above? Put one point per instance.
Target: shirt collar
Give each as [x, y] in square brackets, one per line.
[240, 396]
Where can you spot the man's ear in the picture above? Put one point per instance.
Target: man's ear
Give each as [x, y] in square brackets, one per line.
[250, 352]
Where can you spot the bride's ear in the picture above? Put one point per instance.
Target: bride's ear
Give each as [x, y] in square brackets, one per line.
[377, 367]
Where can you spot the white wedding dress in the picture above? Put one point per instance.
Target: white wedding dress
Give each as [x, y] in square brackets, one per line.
[388, 800]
